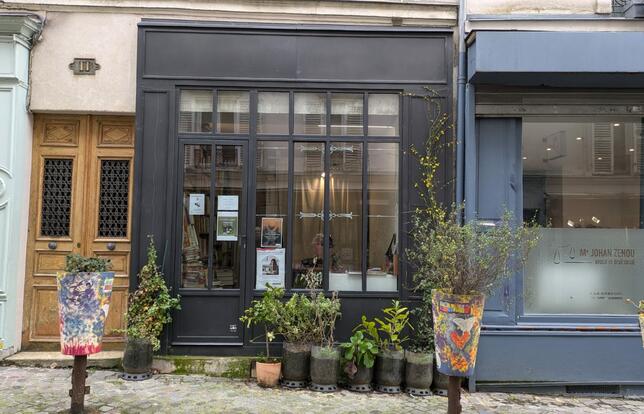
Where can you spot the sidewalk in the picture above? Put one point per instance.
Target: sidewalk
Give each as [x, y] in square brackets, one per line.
[42, 390]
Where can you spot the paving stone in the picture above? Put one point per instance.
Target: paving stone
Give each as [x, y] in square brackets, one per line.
[42, 390]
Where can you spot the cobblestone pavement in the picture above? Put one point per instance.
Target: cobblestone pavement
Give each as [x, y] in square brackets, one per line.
[38, 390]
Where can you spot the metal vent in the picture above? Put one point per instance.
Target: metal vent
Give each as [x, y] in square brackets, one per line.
[593, 389]
[602, 148]
[113, 205]
[56, 197]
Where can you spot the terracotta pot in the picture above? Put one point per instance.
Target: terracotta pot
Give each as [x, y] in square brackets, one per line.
[83, 303]
[457, 327]
[268, 373]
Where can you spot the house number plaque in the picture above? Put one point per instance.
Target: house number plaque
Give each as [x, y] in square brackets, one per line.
[84, 66]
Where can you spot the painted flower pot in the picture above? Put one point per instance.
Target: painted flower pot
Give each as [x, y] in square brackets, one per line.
[390, 371]
[457, 327]
[419, 373]
[324, 369]
[295, 364]
[137, 358]
[361, 380]
[268, 373]
[83, 303]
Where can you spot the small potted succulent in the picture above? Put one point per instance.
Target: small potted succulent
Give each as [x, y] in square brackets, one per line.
[296, 326]
[388, 334]
[420, 353]
[149, 310]
[266, 312]
[325, 358]
[358, 358]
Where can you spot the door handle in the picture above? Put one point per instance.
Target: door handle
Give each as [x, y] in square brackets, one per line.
[110, 246]
[52, 245]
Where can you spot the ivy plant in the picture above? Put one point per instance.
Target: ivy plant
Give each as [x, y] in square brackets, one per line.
[150, 305]
[76, 263]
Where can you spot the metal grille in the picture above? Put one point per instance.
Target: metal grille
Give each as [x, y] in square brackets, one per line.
[115, 186]
[619, 6]
[56, 197]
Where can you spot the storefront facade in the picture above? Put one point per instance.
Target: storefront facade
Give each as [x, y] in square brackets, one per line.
[554, 125]
[266, 153]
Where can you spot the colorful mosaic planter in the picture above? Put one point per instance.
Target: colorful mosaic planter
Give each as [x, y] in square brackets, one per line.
[457, 327]
[83, 303]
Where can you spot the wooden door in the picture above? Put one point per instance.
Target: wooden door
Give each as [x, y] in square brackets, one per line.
[81, 186]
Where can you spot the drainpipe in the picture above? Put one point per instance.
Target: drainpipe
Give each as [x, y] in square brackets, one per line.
[460, 104]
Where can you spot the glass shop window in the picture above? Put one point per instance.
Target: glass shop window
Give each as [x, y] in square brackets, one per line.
[583, 177]
[383, 115]
[346, 114]
[232, 112]
[272, 112]
[310, 113]
[195, 111]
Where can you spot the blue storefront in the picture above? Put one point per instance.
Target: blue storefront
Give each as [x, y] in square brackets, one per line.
[554, 131]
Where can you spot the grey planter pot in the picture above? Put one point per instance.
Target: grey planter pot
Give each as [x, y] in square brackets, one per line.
[419, 373]
[390, 371]
[295, 364]
[137, 359]
[324, 369]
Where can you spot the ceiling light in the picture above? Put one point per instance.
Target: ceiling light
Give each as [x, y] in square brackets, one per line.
[570, 223]
[578, 138]
[548, 149]
[631, 149]
[525, 158]
[616, 124]
[595, 220]
[599, 158]
[322, 175]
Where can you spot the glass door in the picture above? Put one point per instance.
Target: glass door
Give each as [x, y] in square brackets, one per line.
[213, 240]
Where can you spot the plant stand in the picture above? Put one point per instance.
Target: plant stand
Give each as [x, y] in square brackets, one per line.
[454, 395]
[79, 389]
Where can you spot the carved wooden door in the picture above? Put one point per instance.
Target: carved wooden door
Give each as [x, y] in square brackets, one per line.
[81, 186]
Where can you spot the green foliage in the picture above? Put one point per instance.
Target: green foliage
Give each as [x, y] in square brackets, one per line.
[297, 320]
[326, 311]
[358, 352]
[150, 305]
[76, 263]
[462, 258]
[422, 337]
[265, 312]
[387, 332]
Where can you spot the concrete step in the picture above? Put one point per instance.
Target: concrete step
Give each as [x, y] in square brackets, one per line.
[105, 359]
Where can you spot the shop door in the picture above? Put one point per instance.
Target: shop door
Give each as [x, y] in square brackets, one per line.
[211, 263]
[81, 186]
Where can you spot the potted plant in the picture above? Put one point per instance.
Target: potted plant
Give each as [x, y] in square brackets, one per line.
[296, 326]
[458, 261]
[388, 334]
[419, 368]
[358, 357]
[84, 291]
[325, 359]
[640, 310]
[266, 312]
[149, 308]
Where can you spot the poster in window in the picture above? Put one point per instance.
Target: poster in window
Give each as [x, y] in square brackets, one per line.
[227, 225]
[270, 267]
[227, 202]
[272, 232]
[197, 205]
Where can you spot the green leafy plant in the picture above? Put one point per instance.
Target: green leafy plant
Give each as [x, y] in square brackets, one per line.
[387, 333]
[326, 312]
[447, 252]
[76, 263]
[297, 319]
[358, 352]
[422, 336]
[265, 312]
[150, 305]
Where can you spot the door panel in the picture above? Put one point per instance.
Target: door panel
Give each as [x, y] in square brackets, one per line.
[64, 213]
[211, 251]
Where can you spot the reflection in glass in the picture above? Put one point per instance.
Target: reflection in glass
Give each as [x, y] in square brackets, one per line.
[308, 202]
[345, 218]
[232, 112]
[383, 264]
[195, 111]
[271, 194]
[272, 112]
[346, 114]
[582, 176]
[229, 180]
[383, 115]
[310, 113]
[196, 215]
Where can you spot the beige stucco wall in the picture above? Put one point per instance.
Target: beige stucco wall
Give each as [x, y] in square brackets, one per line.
[107, 31]
[500, 7]
[110, 39]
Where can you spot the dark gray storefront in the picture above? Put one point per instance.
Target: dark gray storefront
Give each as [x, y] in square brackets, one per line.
[262, 147]
[554, 131]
